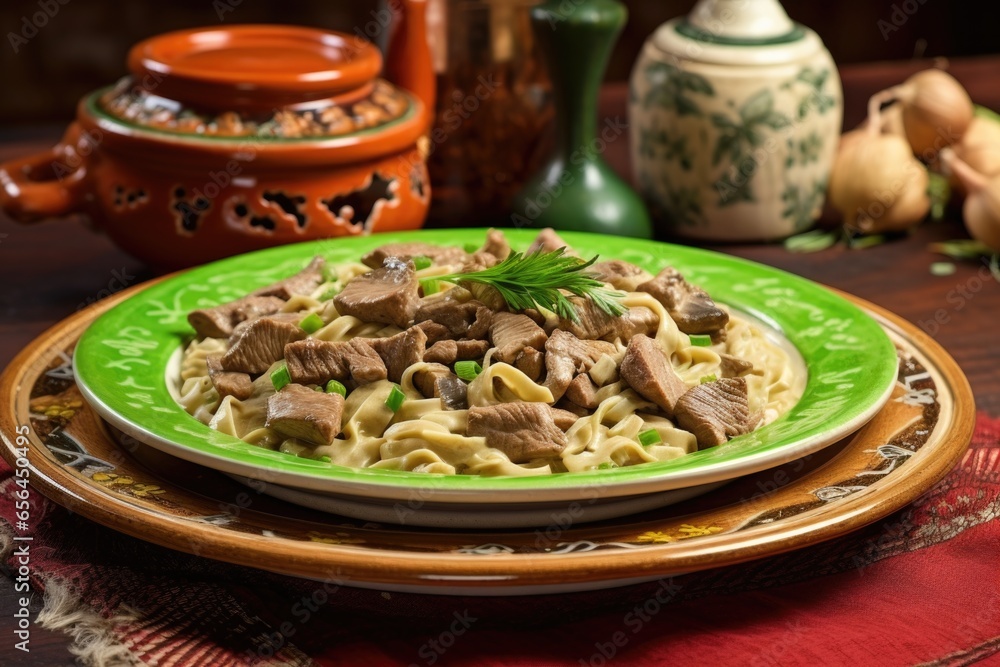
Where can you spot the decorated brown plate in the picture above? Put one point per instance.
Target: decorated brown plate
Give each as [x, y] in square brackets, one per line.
[81, 463]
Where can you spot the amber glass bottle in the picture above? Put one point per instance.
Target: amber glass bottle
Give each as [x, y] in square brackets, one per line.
[493, 112]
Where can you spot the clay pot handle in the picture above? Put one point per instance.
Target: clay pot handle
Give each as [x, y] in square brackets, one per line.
[45, 185]
[408, 62]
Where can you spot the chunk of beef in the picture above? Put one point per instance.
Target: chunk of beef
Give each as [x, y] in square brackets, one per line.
[218, 322]
[457, 315]
[438, 381]
[290, 318]
[496, 245]
[299, 412]
[636, 321]
[564, 419]
[387, 295]
[260, 344]
[689, 306]
[511, 333]
[495, 250]
[478, 261]
[434, 331]
[730, 366]
[621, 274]
[401, 351]
[522, 431]
[531, 362]
[441, 255]
[303, 282]
[548, 241]
[715, 411]
[582, 392]
[228, 383]
[593, 323]
[352, 362]
[480, 327]
[566, 356]
[647, 370]
[450, 351]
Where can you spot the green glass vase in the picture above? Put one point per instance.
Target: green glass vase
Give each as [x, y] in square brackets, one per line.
[576, 189]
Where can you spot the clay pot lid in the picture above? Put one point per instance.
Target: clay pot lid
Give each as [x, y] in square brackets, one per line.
[253, 66]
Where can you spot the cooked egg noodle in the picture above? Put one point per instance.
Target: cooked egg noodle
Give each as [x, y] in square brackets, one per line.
[422, 436]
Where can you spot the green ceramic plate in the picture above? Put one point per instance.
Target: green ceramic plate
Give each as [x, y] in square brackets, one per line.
[121, 366]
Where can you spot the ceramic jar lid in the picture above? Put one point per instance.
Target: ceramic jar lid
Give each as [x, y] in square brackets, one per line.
[736, 32]
[254, 66]
[270, 81]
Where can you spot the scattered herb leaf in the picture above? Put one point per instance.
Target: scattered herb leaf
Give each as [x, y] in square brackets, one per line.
[942, 268]
[961, 249]
[861, 242]
[813, 241]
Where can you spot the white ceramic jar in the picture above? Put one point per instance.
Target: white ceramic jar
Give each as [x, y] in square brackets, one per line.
[735, 114]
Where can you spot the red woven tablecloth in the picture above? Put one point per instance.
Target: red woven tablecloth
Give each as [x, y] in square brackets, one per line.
[919, 587]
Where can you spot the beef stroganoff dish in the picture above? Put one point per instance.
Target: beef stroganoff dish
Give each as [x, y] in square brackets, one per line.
[483, 361]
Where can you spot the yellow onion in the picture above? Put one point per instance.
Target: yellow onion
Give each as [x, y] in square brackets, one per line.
[935, 108]
[981, 209]
[980, 149]
[876, 184]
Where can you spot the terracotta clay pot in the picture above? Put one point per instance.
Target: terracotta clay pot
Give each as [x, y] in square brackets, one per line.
[225, 140]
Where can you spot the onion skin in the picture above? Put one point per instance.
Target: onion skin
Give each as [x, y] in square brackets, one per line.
[937, 111]
[980, 149]
[982, 218]
[981, 209]
[877, 184]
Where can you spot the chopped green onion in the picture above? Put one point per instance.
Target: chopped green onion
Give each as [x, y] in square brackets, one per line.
[331, 292]
[396, 398]
[311, 323]
[942, 268]
[471, 248]
[421, 262]
[607, 465]
[280, 377]
[330, 274]
[334, 387]
[650, 437]
[325, 458]
[708, 378]
[468, 370]
[701, 340]
[430, 286]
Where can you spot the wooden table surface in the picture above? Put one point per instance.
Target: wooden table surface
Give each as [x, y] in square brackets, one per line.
[49, 270]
